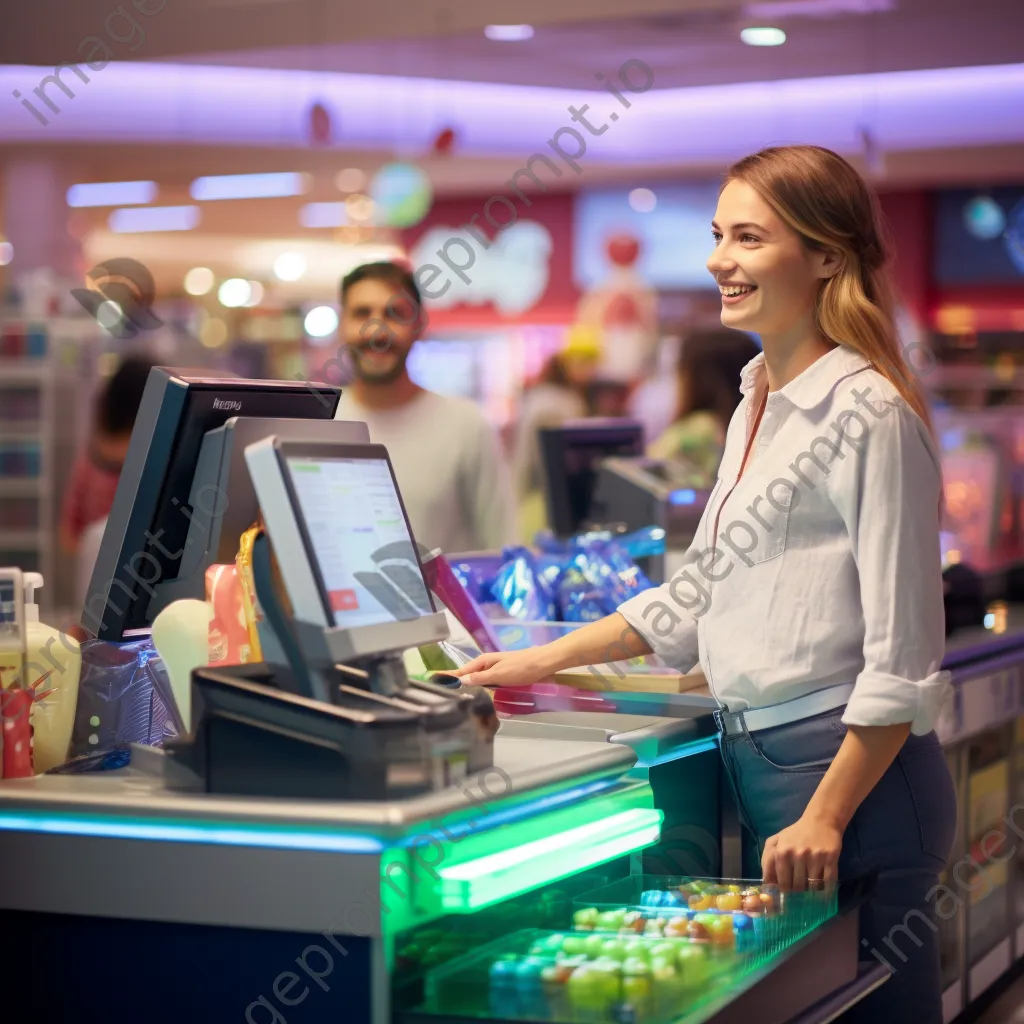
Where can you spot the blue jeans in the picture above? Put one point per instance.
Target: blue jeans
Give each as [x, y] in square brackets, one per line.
[905, 828]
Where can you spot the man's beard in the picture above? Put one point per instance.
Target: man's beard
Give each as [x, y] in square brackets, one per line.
[369, 375]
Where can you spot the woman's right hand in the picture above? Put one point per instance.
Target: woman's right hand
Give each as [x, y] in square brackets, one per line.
[508, 668]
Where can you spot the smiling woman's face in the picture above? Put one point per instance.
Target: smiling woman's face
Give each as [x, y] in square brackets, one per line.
[768, 278]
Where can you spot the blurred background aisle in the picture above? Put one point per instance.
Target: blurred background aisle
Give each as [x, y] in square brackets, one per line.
[557, 163]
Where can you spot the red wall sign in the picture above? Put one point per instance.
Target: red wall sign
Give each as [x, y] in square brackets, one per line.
[517, 274]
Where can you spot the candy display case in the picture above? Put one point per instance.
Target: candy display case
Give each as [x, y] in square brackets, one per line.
[746, 917]
[642, 949]
[535, 975]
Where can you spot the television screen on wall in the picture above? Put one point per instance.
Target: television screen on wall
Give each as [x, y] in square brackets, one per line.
[979, 236]
[671, 222]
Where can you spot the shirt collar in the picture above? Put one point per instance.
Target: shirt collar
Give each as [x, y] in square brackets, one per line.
[812, 386]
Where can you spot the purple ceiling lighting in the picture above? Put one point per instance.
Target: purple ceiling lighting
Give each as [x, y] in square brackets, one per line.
[219, 106]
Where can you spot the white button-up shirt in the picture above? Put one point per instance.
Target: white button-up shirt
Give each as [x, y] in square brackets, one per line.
[821, 564]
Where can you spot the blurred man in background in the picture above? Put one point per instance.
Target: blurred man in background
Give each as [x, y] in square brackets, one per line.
[446, 456]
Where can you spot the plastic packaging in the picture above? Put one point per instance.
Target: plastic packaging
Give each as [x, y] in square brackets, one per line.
[124, 697]
[576, 581]
[520, 589]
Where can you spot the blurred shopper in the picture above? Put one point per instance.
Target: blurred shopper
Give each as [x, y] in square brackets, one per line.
[558, 396]
[446, 457]
[94, 476]
[708, 385]
[819, 620]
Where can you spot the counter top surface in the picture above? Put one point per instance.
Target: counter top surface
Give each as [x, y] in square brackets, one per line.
[528, 764]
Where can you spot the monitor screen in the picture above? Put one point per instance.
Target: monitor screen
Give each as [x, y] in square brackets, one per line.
[572, 455]
[979, 236]
[359, 541]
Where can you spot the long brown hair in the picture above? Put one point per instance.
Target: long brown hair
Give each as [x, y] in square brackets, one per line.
[830, 206]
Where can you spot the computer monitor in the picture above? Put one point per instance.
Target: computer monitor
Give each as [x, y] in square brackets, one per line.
[571, 455]
[149, 524]
[343, 543]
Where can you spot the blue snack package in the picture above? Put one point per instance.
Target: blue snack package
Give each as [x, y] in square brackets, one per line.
[521, 590]
[643, 543]
[579, 600]
[631, 578]
[474, 580]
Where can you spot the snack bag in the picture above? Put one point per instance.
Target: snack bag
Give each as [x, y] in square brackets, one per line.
[250, 606]
[521, 590]
[229, 630]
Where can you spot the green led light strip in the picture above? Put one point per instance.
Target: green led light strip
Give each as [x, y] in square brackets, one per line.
[498, 876]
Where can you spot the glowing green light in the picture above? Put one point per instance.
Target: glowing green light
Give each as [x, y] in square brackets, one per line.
[498, 876]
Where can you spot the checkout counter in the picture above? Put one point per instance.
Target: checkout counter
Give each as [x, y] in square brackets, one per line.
[177, 888]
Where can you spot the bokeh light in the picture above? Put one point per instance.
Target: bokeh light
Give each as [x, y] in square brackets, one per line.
[199, 281]
[234, 292]
[984, 217]
[321, 322]
[290, 266]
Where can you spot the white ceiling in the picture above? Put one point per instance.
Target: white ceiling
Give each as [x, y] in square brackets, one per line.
[687, 46]
[688, 42]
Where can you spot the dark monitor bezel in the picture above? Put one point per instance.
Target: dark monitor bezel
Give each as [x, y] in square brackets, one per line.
[562, 437]
[285, 450]
[141, 491]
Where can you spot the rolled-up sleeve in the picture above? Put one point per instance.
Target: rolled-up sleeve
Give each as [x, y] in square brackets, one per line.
[888, 495]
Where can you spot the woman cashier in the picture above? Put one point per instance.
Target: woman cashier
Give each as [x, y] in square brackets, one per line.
[812, 593]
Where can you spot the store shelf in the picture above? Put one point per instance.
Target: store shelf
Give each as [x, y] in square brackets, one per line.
[14, 430]
[14, 372]
[22, 487]
[22, 540]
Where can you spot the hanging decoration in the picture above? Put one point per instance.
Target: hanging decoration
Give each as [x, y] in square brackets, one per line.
[444, 142]
[320, 127]
[402, 195]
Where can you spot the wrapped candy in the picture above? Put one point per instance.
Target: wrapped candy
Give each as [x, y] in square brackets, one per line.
[579, 600]
[521, 590]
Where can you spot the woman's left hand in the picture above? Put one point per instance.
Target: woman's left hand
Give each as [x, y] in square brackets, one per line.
[807, 851]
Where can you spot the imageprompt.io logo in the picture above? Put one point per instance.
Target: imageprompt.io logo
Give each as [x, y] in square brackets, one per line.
[120, 297]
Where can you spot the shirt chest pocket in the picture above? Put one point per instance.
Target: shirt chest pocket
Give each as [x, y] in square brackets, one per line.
[754, 528]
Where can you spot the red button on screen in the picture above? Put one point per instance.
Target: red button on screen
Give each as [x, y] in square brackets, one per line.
[344, 601]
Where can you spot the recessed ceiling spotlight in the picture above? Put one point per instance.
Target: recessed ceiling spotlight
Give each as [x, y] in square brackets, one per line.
[112, 193]
[508, 33]
[763, 36]
[249, 186]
